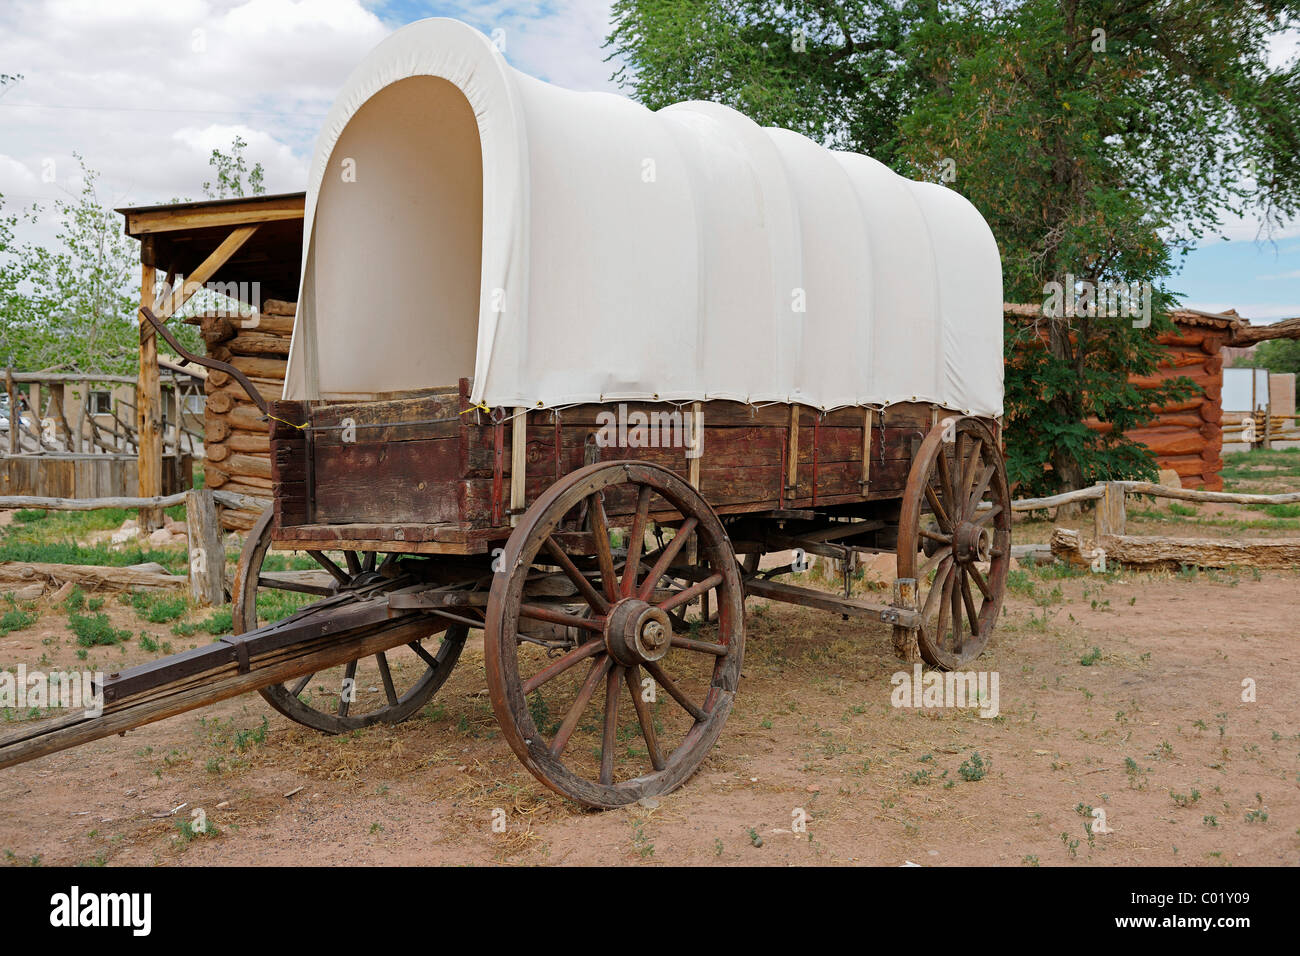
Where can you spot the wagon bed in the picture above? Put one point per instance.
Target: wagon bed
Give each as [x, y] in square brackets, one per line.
[435, 475]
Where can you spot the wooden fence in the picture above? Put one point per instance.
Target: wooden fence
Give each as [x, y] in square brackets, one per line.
[207, 554]
[1110, 541]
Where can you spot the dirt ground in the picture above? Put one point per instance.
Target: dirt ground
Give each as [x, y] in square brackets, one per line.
[1119, 692]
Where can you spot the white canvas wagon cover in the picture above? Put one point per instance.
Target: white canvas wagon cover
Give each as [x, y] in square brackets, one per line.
[466, 219]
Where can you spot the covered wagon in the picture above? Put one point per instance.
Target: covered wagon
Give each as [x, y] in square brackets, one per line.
[565, 371]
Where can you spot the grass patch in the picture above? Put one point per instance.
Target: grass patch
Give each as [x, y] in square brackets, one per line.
[159, 608]
[96, 629]
[218, 623]
[15, 618]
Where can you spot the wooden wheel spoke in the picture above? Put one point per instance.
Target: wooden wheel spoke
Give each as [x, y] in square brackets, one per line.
[936, 589]
[349, 685]
[972, 462]
[610, 738]
[562, 664]
[980, 488]
[666, 556]
[369, 563]
[971, 614]
[354, 562]
[702, 647]
[931, 564]
[955, 589]
[604, 553]
[644, 717]
[584, 586]
[301, 686]
[984, 517]
[692, 592]
[326, 562]
[940, 513]
[386, 676]
[941, 538]
[945, 603]
[570, 723]
[636, 541]
[423, 654]
[980, 582]
[945, 478]
[538, 613]
[674, 691]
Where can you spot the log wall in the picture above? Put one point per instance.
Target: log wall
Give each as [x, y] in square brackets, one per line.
[1186, 437]
[236, 440]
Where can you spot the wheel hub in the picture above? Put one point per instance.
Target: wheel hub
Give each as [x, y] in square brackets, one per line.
[637, 632]
[972, 542]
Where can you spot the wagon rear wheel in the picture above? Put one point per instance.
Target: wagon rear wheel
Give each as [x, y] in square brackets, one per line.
[954, 538]
[387, 687]
[618, 703]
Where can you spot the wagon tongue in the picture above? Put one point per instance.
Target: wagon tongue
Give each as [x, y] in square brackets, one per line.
[323, 635]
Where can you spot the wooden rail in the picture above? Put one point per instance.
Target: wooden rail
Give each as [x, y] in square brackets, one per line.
[207, 552]
[1110, 518]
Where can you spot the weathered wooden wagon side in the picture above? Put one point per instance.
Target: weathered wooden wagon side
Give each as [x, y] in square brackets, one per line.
[447, 477]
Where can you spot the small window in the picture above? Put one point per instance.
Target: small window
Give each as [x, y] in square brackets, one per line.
[101, 403]
[193, 405]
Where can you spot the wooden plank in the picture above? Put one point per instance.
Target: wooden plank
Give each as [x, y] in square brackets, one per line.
[518, 463]
[148, 407]
[1109, 514]
[792, 453]
[866, 449]
[149, 222]
[207, 553]
[398, 482]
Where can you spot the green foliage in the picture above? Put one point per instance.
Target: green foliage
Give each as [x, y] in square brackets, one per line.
[70, 304]
[219, 622]
[975, 768]
[95, 629]
[1103, 158]
[159, 608]
[231, 169]
[15, 618]
[1277, 355]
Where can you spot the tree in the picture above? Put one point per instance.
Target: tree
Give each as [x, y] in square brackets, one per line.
[231, 169]
[72, 304]
[1099, 140]
[1276, 355]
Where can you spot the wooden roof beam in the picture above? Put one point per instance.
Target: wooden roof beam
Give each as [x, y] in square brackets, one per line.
[1247, 335]
[175, 299]
[147, 221]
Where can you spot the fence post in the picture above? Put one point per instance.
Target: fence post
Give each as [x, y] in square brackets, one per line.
[1110, 513]
[207, 555]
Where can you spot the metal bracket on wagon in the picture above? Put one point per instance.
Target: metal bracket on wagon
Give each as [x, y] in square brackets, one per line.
[186, 357]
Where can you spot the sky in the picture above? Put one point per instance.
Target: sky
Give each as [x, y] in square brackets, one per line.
[146, 89]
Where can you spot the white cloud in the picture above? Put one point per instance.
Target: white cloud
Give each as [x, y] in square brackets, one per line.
[145, 90]
[558, 41]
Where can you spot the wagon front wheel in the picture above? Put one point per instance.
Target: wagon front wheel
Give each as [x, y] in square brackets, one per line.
[597, 688]
[954, 538]
[387, 687]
